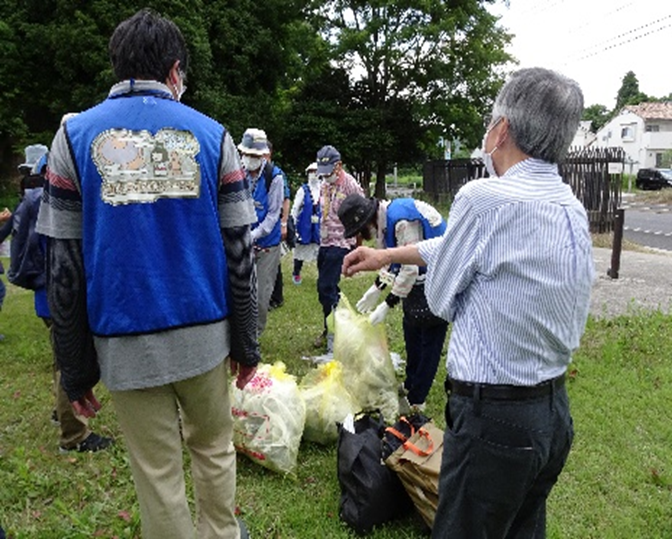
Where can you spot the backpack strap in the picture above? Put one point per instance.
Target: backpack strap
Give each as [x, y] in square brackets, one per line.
[268, 175]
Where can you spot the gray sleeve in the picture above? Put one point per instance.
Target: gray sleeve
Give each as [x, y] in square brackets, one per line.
[61, 209]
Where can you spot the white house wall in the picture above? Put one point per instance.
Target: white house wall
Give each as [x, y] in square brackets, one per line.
[628, 131]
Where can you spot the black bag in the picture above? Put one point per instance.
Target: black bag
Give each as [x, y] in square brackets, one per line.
[27, 256]
[371, 493]
[416, 310]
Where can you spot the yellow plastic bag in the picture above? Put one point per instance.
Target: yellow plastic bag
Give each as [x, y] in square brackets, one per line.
[268, 418]
[367, 366]
[327, 402]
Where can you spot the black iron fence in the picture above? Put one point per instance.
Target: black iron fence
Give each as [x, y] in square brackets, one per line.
[595, 176]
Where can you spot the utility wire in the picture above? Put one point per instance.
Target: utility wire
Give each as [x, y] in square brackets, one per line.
[624, 34]
[575, 29]
[625, 42]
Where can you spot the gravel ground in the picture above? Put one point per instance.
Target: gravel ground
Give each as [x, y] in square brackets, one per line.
[644, 282]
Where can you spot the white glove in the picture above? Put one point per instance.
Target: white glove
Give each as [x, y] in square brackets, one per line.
[369, 300]
[377, 316]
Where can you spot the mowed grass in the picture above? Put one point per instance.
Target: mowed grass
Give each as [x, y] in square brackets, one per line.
[617, 482]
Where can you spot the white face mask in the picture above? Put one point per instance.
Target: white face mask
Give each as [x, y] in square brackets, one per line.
[331, 178]
[487, 157]
[251, 163]
[312, 177]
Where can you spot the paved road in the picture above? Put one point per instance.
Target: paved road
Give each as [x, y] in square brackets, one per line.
[648, 224]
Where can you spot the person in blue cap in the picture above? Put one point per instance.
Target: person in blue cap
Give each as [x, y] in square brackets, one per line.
[336, 185]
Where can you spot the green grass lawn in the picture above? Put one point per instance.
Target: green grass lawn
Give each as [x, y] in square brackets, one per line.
[617, 483]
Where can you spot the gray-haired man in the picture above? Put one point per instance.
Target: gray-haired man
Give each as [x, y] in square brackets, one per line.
[513, 272]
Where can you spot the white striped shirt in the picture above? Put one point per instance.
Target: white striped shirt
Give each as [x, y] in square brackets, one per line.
[513, 272]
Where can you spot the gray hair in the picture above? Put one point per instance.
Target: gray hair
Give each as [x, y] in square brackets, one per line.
[543, 109]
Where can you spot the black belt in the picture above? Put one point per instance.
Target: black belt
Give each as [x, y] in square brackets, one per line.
[497, 392]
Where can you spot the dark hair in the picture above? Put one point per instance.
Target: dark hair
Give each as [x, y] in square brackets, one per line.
[146, 46]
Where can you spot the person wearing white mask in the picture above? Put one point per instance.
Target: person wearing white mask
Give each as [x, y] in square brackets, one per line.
[306, 213]
[513, 272]
[266, 184]
[336, 185]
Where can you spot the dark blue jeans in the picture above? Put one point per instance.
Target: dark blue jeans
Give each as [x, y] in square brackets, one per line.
[500, 462]
[423, 353]
[329, 263]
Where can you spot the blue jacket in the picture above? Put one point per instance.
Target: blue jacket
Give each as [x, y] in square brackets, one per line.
[147, 166]
[308, 231]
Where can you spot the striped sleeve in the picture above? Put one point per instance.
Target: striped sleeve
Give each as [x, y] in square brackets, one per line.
[453, 260]
[235, 199]
[61, 209]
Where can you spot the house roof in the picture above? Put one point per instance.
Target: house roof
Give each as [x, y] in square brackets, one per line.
[652, 111]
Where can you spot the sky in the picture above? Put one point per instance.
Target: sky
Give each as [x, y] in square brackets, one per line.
[595, 42]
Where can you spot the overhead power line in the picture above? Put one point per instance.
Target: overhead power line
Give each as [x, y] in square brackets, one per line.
[620, 41]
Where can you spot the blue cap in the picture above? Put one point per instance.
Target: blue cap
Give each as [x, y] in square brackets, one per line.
[327, 158]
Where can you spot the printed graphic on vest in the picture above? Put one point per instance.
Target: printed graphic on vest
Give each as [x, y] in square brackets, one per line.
[137, 166]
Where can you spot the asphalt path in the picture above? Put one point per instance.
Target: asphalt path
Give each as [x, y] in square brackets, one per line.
[648, 224]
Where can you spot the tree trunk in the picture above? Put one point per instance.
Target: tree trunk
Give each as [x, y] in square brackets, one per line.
[381, 167]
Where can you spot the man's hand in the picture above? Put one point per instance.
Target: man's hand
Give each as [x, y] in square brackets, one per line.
[243, 372]
[5, 215]
[363, 259]
[87, 406]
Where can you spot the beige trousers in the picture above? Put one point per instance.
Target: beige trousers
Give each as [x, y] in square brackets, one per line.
[150, 420]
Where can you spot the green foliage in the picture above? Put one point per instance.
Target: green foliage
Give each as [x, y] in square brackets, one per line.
[598, 116]
[629, 93]
[617, 482]
[427, 69]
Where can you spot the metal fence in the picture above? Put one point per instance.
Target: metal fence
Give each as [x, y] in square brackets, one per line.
[595, 176]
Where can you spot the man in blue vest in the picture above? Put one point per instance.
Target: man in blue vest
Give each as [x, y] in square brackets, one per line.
[402, 221]
[267, 188]
[151, 282]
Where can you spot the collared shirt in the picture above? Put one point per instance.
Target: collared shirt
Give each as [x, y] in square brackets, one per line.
[513, 272]
[332, 231]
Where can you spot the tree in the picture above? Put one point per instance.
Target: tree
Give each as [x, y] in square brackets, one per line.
[598, 116]
[426, 67]
[55, 60]
[628, 93]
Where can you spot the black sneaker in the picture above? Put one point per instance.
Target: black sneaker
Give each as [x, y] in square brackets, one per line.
[92, 443]
[54, 419]
[275, 305]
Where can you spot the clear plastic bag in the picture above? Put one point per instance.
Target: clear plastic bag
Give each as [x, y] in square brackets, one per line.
[268, 418]
[362, 350]
[327, 402]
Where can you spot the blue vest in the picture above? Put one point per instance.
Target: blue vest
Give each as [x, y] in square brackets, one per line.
[260, 196]
[403, 209]
[307, 231]
[152, 245]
